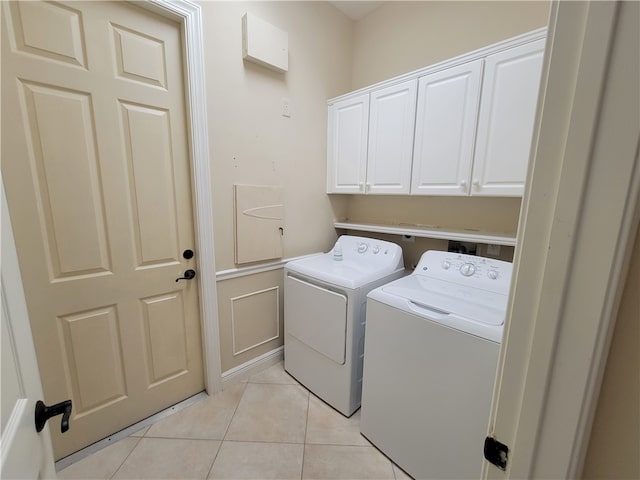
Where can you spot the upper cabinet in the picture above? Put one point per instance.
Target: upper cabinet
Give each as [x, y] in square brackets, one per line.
[347, 134]
[461, 127]
[506, 120]
[445, 130]
[392, 114]
[370, 141]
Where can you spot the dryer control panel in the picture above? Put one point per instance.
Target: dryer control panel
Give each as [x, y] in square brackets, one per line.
[480, 272]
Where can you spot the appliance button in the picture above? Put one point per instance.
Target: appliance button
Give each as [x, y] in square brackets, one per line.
[467, 269]
[376, 249]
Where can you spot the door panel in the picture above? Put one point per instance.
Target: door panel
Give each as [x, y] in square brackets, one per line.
[98, 184]
[93, 358]
[69, 203]
[147, 135]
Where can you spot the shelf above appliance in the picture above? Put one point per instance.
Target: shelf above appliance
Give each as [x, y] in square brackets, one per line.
[475, 236]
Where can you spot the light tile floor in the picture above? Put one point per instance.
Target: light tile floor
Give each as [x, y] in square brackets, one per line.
[269, 427]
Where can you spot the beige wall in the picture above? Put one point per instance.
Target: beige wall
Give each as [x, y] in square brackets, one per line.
[250, 141]
[400, 37]
[614, 449]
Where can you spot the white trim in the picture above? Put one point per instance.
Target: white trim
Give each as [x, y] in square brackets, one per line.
[255, 365]
[277, 316]
[531, 36]
[223, 275]
[432, 232]
[190, 17]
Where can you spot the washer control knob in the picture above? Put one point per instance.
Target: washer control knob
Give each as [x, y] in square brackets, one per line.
[446, 265]
[467, 269]
[362, 247]
[376, 249]
[492, 274]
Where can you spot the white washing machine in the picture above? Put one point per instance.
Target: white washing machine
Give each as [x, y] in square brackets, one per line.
[431, 353]
[324, 315]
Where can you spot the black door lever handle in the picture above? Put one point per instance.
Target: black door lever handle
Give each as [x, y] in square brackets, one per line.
[188, 275]
[44, 413]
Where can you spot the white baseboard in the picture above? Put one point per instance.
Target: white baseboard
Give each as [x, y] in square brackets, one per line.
[243, 372]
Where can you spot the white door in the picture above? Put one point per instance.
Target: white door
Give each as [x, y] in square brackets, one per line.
[576, 232]
[24, 452]
[506, 120]
[445, 130]
[96, 164]
[391, 123]
[347, 133]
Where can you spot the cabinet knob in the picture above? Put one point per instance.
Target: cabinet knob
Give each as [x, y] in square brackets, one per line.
[368, 187]
[361, 186]
[463, 183]
[476, 182]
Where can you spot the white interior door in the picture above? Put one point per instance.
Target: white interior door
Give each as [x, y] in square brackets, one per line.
[24, 452]
[96, 163]
[579, 214]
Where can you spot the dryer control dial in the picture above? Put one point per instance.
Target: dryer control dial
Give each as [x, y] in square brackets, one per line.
[362, 247]
[492, 274]
[376, 249]
[446, 265]
[467, 269]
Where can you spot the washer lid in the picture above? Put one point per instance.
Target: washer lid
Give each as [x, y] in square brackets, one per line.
[346, 273]
[442, 296]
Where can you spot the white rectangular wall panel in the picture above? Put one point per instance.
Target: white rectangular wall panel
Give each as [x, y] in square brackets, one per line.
[264, 44]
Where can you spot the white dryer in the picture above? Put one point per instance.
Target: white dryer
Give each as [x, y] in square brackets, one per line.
[431, 352]
[324, 315]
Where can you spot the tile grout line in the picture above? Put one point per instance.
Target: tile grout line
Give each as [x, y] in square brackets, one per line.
[306, 427]
[127, 456]
[226, 430]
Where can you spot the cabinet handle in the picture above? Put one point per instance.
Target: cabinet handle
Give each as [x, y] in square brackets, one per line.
[463, 183]
[476, 182]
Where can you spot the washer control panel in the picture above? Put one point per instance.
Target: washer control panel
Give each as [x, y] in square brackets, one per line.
[481, 272]
[368, 251]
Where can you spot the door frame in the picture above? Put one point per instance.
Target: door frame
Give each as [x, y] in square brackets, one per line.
[564, 299]
[189, 16]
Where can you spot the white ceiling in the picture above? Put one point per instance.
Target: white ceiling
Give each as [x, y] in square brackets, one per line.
[356, 10]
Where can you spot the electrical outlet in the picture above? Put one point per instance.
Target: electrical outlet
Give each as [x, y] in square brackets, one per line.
[286, 107]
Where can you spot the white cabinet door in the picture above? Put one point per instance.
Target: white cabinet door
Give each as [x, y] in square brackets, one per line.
[347, 131]
[391, 125]
[445, 130]
[505, 122]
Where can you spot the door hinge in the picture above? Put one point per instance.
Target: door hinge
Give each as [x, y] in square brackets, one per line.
[496, 452]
